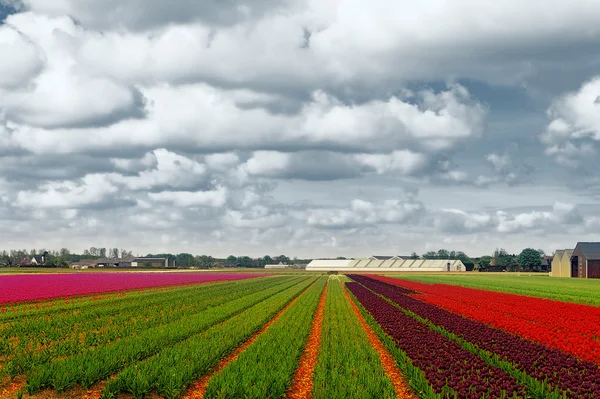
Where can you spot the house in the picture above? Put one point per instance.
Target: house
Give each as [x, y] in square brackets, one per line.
[37, 260]
[585, 260]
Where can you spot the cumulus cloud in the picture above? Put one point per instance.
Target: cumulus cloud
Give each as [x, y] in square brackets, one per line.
[26, 60]
[243, 119]
[63, 94]
[575, 117]
[211, 198]
[364, 213]
[460, 222]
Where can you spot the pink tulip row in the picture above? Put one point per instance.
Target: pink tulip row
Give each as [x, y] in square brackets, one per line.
[23, 288]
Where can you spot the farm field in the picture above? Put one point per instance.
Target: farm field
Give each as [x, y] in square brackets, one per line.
[301, 335]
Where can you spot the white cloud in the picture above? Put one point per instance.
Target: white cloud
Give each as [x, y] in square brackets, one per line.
[93, 189]
[401, 161]
[212, 198]
[363, 213]
[575, 116]
[25, 60]
[171, 170]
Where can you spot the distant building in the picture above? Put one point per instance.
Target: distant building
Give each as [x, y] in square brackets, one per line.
[391, 264]
[279, 265]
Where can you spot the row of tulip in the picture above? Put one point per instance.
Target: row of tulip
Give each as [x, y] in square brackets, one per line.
[266, 369]
[19, 288]
[35, 341]
[178, 365]
[450, 370]
[539, 320]
[558, 371]
[97, 363]
[348, 365]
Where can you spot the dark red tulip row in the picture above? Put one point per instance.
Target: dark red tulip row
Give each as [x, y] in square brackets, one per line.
[577, 378]
[448, 368]
[537, 319]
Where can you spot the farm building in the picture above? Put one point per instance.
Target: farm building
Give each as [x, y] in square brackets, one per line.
[561, 263]
[279, 265]
[585, 260]
[392, 264]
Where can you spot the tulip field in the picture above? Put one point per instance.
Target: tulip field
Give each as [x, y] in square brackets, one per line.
[302, 335]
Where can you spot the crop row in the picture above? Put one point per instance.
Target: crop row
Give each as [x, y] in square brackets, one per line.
[104, 322]
[176, 366]
[19, 288]
[348, 366]
[266, 368]
[537, 365]
[63, 339]
[540, 320]
[449, 369]
[100, 362]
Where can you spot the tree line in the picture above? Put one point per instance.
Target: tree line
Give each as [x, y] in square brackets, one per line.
[528, 259]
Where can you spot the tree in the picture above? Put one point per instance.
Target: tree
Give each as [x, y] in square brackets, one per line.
[283, 259]
[102, 252]
[267, 260]
[185, 260]
[529, 258]
[430, 255]
[414, 255]
[443, 254]
[232, 259]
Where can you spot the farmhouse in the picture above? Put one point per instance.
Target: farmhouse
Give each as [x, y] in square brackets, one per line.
[392, 264]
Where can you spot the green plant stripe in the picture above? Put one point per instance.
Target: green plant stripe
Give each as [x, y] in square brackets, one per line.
[97, 364]
[267, 367]
[175, 367]
[44, 330]
[347, 366]
[107, 302]
[23, 359]
[415, 376]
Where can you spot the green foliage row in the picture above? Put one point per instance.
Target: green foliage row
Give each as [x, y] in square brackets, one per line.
[63, 337]
[266, 369]
[348, 366]
[100, 362]
[177, 366]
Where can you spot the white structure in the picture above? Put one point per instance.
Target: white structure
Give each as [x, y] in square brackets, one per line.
[394, 264]
[280, 265]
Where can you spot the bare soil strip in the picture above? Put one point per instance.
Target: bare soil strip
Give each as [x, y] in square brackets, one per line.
[302, 384]
[403, 390]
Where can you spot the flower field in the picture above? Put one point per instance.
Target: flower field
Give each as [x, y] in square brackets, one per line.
[38, 286]
[295, 336]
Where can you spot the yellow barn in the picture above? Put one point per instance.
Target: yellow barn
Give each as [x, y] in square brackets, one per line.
[561, 263]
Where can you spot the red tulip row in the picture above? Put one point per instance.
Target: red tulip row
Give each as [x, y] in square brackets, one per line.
[570, 327]
[558, 370]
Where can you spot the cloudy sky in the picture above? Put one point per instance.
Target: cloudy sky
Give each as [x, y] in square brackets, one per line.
[310, 128]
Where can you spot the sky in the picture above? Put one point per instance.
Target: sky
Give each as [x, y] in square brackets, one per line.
[312, 128]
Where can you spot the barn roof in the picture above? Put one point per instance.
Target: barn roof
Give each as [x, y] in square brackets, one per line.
[591, 250]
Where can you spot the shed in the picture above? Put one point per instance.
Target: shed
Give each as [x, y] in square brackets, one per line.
[561, 263]
[585, 260]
